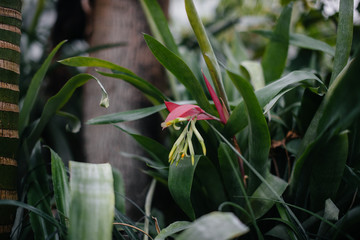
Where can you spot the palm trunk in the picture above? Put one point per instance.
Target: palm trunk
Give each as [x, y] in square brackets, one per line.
[10, 33]
[120, 21]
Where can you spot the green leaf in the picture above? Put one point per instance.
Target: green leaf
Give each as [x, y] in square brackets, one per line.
[61, 187]
[259, 136]
[144, 86]
[276, 51]
[303, 41]
[48, 218]
[238, 121]
[34, 88]
[158, 24]
[215, 225]
[180, 183]
[207, 50]
[156, 150]
[230, 172]
[74, 124]
[263, 198]
[126, 116]
[334, 158]
[119, 190]
[254, 73]
[172, 229]
[38, 195]
[338, 110]
[344, 37]
[94, 62]
[92, 201]
[179, 68]
[55, 103]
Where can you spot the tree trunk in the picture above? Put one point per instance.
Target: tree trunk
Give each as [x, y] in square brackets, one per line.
[120, 21]
[10, 33]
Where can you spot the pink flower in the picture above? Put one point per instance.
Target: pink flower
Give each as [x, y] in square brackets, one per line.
[185, 113]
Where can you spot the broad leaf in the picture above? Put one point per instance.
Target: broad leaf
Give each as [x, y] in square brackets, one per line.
[338, 110]
[263, 198]
[92, 201]
[215, 225]
[172, 229]
[334, 158]
[180, 183]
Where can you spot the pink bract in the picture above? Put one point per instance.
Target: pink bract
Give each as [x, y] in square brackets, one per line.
[186, 111]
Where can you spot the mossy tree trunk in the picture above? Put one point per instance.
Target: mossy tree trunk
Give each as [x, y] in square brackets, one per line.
[10, 33]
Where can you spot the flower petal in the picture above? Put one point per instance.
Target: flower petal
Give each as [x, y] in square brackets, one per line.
[216, 100]
[171, 106]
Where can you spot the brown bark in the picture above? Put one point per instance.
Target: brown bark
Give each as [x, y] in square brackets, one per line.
[120, 21]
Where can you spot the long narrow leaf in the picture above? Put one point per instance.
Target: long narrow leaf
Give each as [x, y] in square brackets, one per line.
[238, 121]
[259, 136]
[61, 187]
[50, 219]
[33, 90]
[343, 37]
[126, 116]
[144, 86]
[276, 51]
[179, 68]
[158, 24]
[55, 103]
[38, 195]
[303, 41]
[93, 62]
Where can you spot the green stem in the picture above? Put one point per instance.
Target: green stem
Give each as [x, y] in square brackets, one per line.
[207, 50]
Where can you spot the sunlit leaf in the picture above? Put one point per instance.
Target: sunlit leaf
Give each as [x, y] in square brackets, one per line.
[92, 201]
[215, 225]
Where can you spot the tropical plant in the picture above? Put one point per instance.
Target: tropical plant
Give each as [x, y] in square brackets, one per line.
[276, 154]
[283, 157]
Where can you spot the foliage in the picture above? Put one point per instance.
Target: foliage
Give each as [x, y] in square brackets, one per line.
[284, 160]
[284, 163]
